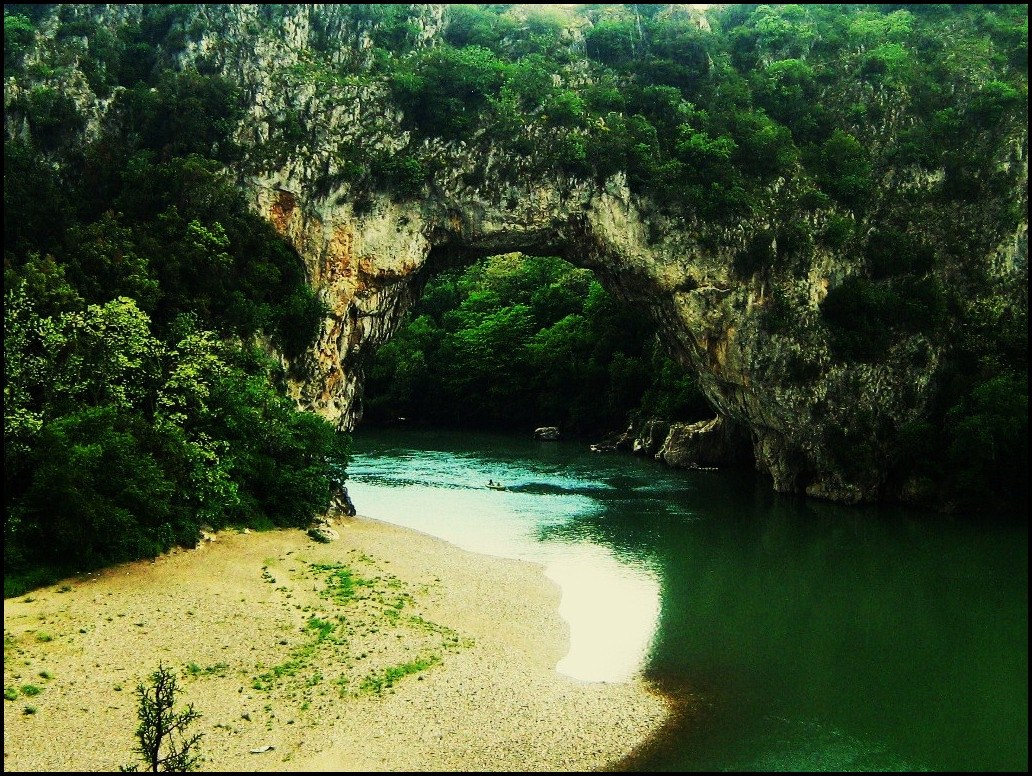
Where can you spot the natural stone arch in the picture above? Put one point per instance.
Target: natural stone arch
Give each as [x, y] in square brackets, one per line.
[318, 119]
[370, 266]
[819, 424]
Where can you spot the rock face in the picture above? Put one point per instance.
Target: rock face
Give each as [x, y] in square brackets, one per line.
[341, 504]
[650, 440]
[708, 443]
[369, 253]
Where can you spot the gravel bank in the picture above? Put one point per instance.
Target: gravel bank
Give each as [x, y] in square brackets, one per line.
[388, 650]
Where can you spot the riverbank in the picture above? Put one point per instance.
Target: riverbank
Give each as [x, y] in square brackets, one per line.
[386, 650]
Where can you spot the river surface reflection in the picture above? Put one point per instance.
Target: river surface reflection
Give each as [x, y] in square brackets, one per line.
[610, 604]
[795, 635]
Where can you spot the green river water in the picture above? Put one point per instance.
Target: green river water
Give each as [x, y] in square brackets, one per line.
[792, 635]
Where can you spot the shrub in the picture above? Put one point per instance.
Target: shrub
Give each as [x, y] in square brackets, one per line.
[18, 36]
[162, 739]
[845, 170]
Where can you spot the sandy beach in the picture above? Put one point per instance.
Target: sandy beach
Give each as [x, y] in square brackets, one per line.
[387, 650]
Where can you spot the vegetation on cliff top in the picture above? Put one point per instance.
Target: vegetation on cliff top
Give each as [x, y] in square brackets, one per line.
[140, 291]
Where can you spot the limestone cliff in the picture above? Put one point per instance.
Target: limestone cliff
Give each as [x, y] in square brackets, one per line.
[754, 334]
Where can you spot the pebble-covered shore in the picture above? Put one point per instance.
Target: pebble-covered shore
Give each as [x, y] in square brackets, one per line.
[387, 650]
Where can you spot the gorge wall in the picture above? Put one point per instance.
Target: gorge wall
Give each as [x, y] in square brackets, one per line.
[819, 424]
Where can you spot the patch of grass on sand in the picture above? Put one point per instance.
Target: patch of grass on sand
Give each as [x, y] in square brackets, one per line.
[378, 681]
[341, 582]
[365, 637]
[11, 645]
[318, 630]
[195, 671]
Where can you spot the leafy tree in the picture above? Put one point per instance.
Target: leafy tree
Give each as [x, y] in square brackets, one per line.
[681, 55]
[513, 341]
[612, 41]
[845, 170]
[99, 491]
[53, 117]
[855, 313]
[786, 90]
[891, 252]
[103, 355]
[987, 435]
[470, 25]
[281, 459]
[996, 101]
[36, 205]
[443, 90]
[19, 33]
[763, 147]
[107, 265]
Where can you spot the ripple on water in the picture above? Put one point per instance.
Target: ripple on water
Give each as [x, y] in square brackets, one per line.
[812, 746]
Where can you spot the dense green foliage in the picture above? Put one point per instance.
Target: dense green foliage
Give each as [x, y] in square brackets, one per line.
[845, 101]
[703, 120]
[518, 342]
[971, 451]
[138, 290]
[137, 283]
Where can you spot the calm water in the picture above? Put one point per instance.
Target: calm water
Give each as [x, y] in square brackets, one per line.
[794, 635]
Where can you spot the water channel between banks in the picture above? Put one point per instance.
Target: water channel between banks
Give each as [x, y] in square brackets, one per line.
[799, 635]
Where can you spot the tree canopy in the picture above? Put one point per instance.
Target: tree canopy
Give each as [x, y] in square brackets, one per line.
[142, 296]
[516, 342]
[139, 292]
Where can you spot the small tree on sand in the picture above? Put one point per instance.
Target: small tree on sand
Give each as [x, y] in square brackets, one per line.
[163, 742]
